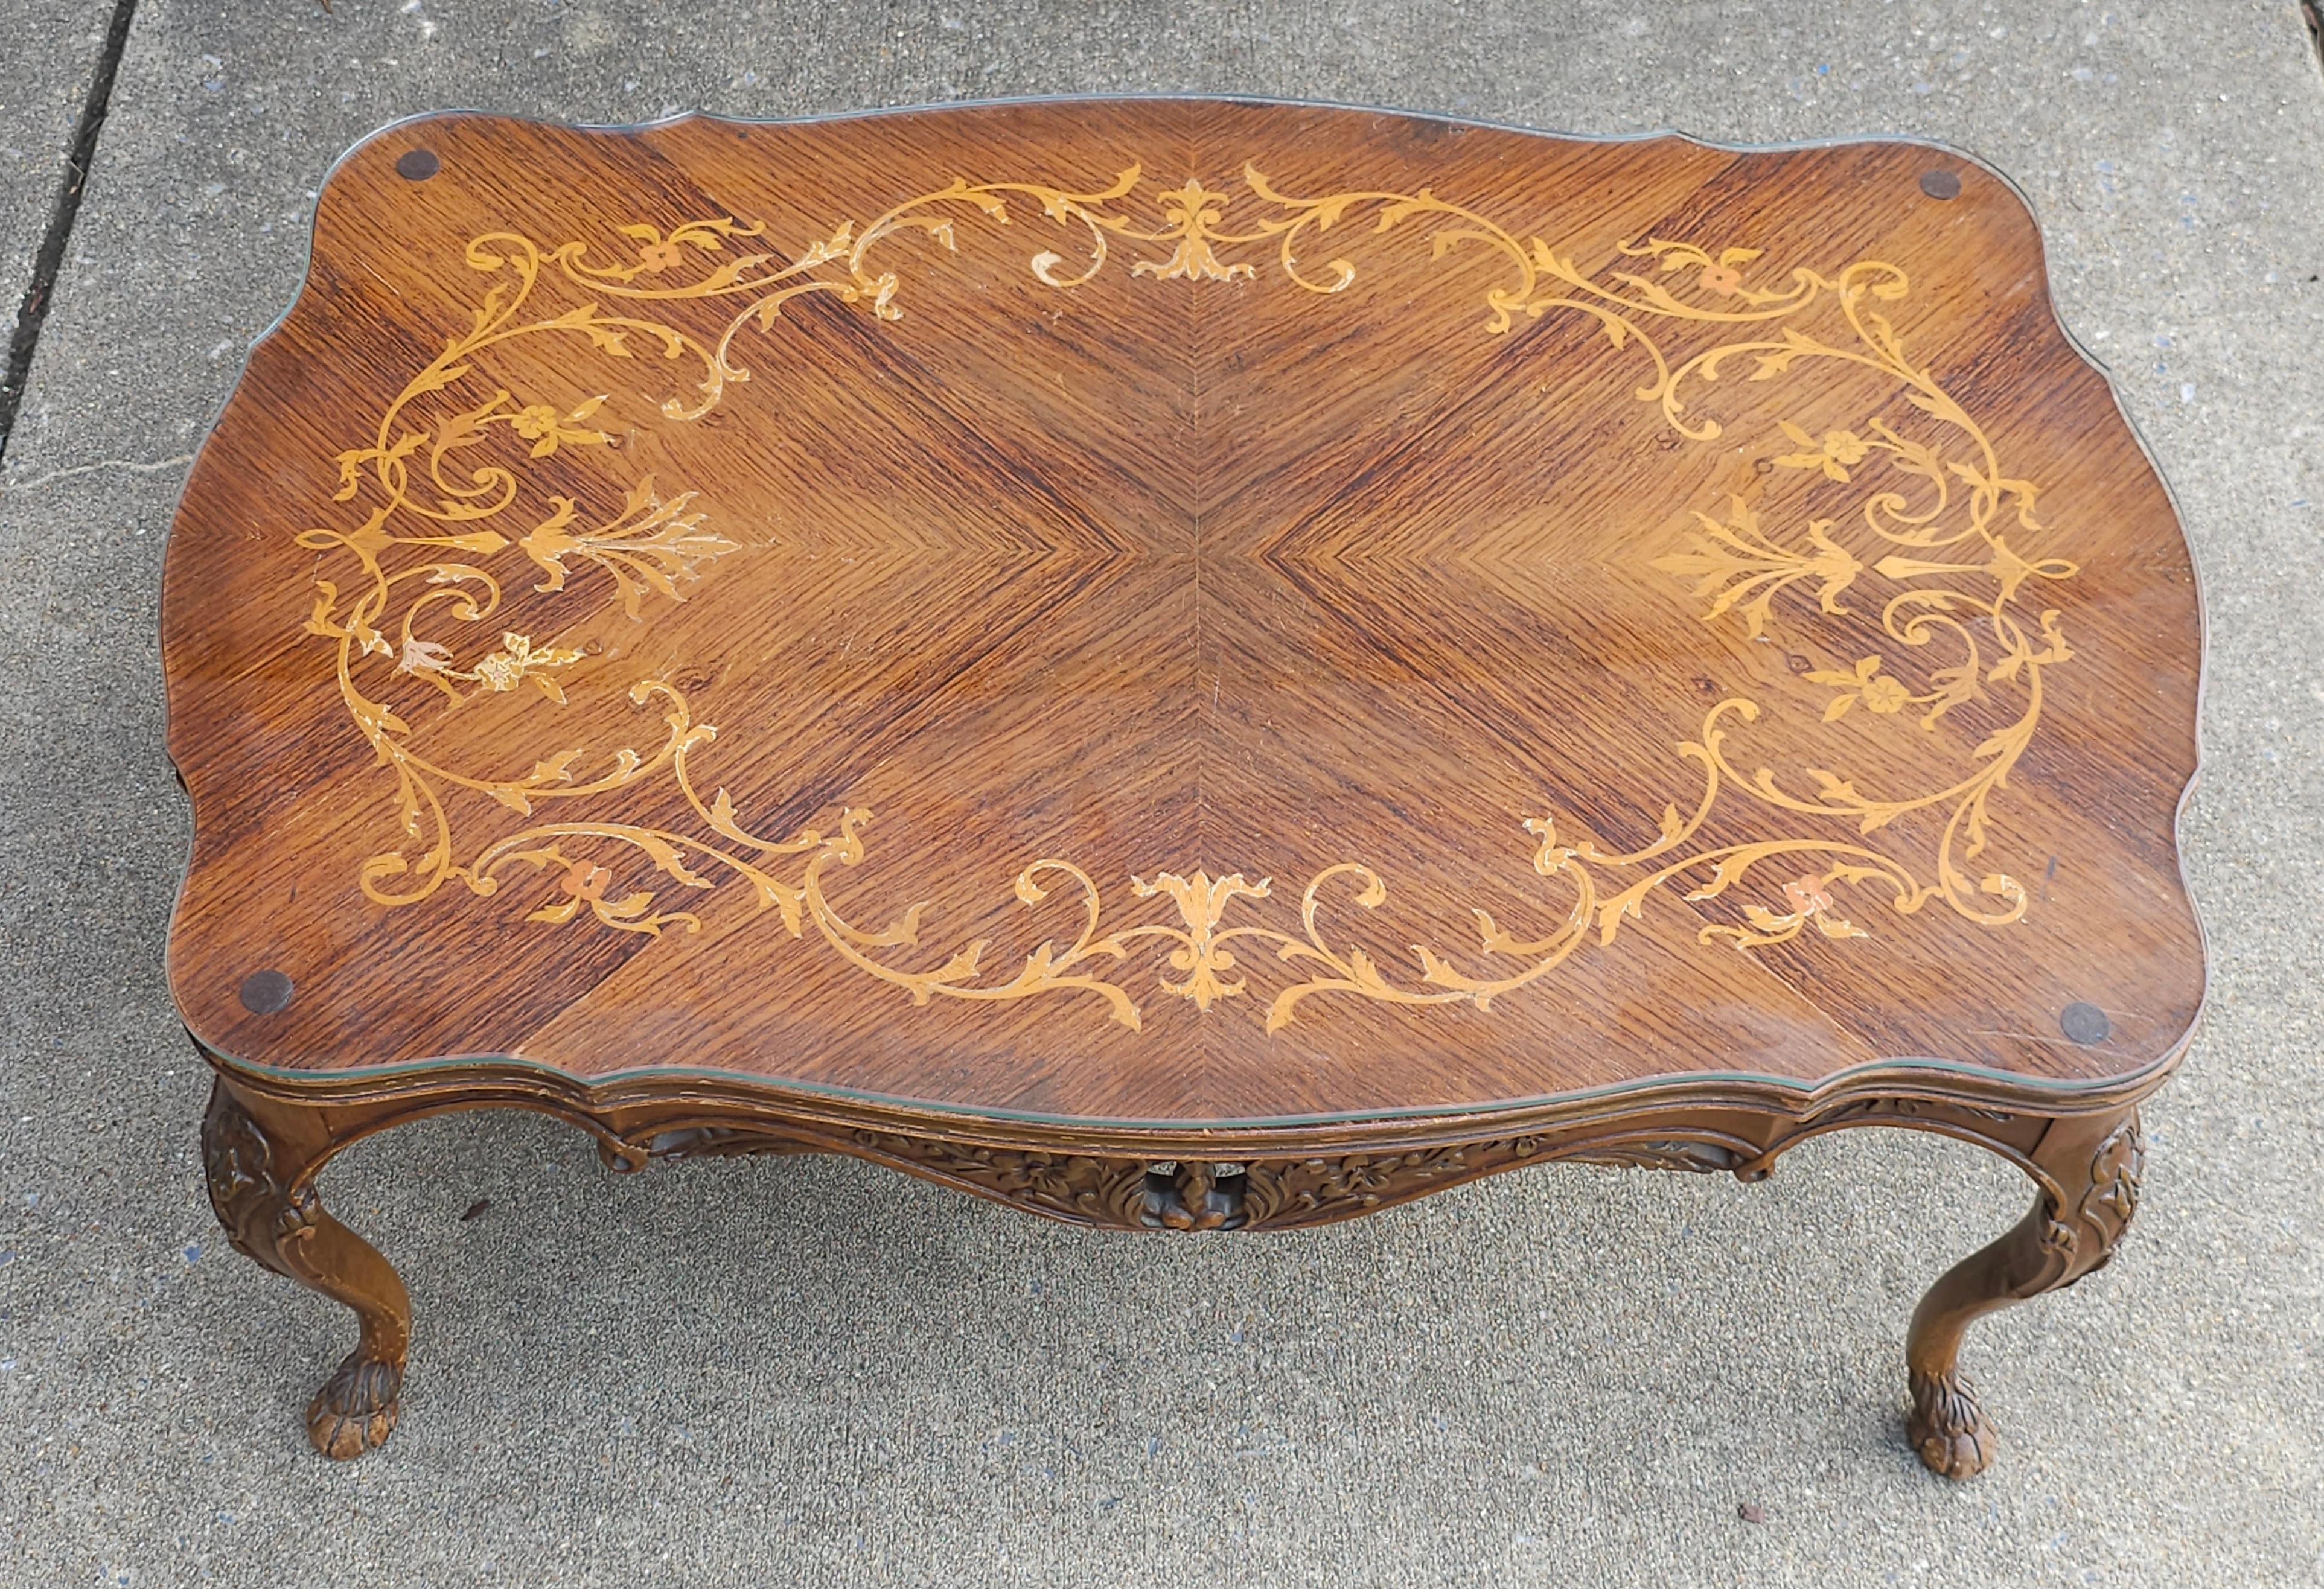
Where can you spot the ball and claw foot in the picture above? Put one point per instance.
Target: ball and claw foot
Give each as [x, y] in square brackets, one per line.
[2087, 1167]
[1950, 1431]
[355, 1408]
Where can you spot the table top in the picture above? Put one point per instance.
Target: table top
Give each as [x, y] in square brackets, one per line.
[1178, 611]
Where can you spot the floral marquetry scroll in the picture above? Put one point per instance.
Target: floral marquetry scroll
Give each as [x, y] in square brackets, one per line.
[1932, 559]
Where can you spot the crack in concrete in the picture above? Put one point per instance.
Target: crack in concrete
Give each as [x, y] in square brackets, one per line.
[70, 184]
[130, 465]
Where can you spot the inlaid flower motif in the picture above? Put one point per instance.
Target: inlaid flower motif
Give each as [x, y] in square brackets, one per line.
[520, 660]
[658, 253]
[1722, 275]
[1810, 899]
[1882, 694]
[1867, 683]
[1834, 453]
[1722, 278]
[585, 881]
[544, 427]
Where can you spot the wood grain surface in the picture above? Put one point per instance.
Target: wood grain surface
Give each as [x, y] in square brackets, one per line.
[1326, 612]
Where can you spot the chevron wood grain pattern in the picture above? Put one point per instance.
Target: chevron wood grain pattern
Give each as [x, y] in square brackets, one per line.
[1318, 624]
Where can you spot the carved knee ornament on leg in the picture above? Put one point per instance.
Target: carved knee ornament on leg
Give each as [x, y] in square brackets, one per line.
[260, 1160]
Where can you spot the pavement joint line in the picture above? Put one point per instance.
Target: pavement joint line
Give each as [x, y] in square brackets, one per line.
[71, 185]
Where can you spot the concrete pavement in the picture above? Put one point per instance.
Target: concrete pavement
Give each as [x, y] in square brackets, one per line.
[820, 1373]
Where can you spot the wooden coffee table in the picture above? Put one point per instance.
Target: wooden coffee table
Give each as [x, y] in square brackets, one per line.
[1381, 650]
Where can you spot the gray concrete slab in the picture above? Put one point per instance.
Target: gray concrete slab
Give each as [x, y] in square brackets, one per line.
[53, 46]
[825, 1374]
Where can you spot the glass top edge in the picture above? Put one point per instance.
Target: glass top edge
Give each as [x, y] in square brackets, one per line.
[1901, 1071]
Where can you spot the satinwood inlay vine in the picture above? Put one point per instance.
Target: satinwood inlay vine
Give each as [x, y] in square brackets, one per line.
[424, 566]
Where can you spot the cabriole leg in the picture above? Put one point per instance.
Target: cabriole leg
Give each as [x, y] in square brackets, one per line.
[262, 1157]
[2091, 1167]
